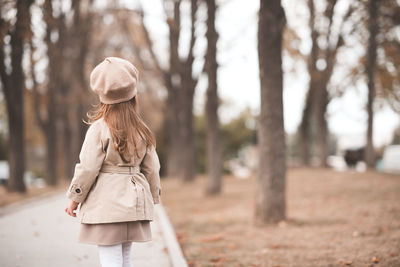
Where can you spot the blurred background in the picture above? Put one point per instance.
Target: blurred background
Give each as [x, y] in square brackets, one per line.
[199, 91]
[50, 47]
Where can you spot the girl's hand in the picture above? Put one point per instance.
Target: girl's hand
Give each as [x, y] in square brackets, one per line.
[72, 205]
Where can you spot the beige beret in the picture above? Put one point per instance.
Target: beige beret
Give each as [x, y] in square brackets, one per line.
[114, 80]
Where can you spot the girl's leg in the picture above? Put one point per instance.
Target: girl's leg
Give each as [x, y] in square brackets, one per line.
[111, 256]
[126, 254]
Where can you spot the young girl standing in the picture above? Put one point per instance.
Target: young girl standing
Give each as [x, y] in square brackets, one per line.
[117, 179]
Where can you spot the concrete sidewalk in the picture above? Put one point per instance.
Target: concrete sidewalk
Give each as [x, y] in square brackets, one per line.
[41, 234]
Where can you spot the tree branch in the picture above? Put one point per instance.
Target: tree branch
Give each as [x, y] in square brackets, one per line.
[193, 11]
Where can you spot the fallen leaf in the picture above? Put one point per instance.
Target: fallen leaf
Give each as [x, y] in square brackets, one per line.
[275, 246]
[375, 259]
[212, 238]
[219, 259]
[344, 262]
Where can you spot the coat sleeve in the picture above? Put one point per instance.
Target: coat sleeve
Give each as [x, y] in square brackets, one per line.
[150, 167]
[91, 158]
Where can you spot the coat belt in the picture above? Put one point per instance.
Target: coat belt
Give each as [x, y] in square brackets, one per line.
[120, 169]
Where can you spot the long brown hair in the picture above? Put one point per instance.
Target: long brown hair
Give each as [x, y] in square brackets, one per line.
[125, 124]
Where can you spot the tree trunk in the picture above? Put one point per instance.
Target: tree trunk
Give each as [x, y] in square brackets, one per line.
[51, 156]
[214, 152]
[50, 133]
[270, 195]
[187, 92]
[178, 120]
[48, 123]
[321, 103]
[16, 149]
[304, 133]
[82, 47]
[171, 127]
[314, 122]
[15, 112]
[69, 155]
[13, 87]
[187, 152]
[370, 71]
[76, 39]
[173, 114]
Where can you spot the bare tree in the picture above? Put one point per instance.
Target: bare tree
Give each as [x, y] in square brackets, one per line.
[61, 103]
[45, 103]
[320, 64]
[13, 88]
[270, 195]
[77, 43]
[180, 83]
[214, 152]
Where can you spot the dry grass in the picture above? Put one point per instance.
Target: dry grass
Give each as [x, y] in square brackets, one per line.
[334, 219]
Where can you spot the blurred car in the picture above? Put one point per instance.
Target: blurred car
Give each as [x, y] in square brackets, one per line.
[4, 172]
[337, 163]
[391, 159]
[353, 156]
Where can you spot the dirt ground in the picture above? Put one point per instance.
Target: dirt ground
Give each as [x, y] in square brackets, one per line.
[333, 219]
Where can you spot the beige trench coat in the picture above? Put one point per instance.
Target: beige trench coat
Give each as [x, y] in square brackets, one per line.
[110, 190]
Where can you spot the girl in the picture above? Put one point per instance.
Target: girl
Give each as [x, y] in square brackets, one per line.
[117, 180]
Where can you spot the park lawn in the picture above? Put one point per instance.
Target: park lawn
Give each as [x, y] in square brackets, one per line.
[334, 219]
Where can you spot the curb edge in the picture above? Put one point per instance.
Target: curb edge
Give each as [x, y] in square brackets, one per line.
[174, 249]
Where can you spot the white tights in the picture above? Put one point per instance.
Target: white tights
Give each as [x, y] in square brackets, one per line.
[115, 255]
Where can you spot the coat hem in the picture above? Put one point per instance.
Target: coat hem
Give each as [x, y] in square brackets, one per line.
[84, 220]
[114, 243]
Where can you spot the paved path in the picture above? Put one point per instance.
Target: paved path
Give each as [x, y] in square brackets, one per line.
[40, 234]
